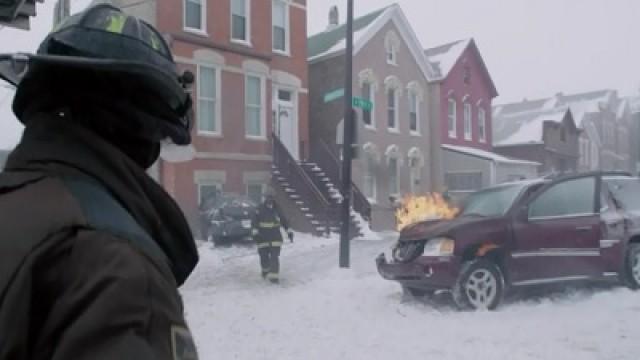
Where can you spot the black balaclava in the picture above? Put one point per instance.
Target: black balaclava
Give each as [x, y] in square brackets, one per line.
[105, 106]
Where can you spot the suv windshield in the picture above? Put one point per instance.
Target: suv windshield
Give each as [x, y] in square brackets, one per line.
[492, 202]
[626, 191]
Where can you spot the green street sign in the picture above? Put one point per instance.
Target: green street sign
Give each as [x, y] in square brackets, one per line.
[363, 104]
[358, 102]
[333, 95]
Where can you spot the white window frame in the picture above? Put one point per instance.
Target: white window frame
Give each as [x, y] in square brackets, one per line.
[452, 118]
[482, 124]
[372, 98]
[287, 29]
[367, 77]
[199, 186]
[263, 122]
[370, 173]
[396, 96]
[216, 100]
[203, 18]
[468, 121]
[247, 15]
[414, 94]
[391, 45]
[397, 190]
[263, 188]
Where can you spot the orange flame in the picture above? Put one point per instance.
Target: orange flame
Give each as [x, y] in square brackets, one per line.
[415, 209]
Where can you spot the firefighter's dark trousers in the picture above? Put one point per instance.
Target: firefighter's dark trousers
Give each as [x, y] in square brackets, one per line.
[270, 260]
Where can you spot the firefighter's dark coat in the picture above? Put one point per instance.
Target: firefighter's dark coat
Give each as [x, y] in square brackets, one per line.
[90, 279]
[268, 222]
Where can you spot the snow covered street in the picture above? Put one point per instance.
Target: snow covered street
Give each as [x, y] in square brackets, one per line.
[322, 312]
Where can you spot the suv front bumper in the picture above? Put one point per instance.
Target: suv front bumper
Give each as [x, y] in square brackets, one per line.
[436, 273]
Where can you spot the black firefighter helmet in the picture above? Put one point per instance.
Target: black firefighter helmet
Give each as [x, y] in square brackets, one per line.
[107, 44]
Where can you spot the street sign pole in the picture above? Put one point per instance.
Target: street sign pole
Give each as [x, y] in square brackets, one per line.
[347, 143]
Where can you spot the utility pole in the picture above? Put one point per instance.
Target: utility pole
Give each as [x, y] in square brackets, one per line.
[347, 143]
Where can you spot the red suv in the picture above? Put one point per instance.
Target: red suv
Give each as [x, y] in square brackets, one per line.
[576, 228]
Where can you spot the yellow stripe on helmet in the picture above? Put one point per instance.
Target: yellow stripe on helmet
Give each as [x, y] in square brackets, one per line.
[116, 23]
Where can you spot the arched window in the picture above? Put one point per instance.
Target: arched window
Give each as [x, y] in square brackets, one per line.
[452, 116]
[482, 125]
[468, 123]
[393, 166]
[368, 87]
[415, 96]
[370, 183]
[392, 86]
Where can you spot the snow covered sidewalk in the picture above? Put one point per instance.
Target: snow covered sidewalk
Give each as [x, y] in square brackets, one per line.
[322, 312]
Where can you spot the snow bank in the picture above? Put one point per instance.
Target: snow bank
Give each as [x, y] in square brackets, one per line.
[365, 230]
[322, 312]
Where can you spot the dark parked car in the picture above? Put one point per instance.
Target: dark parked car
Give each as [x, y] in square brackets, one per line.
[230, 218]
[576, 228]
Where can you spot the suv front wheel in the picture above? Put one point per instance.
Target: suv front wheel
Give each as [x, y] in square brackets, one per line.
[480, 286]
[632, 267]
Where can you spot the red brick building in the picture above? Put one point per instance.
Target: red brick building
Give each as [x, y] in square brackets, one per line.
[250, 62]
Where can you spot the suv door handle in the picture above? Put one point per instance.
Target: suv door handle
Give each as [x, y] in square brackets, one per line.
[584, 228]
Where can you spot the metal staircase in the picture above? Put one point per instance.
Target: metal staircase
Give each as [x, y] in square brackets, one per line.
[307, 194]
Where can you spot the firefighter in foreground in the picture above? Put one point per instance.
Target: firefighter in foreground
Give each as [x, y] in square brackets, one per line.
[93, 249]
[266, 230]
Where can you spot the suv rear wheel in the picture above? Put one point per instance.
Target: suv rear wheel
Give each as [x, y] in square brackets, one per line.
[632, 267]
[480, 286]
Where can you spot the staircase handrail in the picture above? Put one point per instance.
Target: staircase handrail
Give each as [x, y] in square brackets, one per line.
[360, 202]
[292, 164]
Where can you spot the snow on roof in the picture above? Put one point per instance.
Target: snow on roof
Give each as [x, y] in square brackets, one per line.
[580, 104]
[581, 109]
[525, 105]
[342, 43]
[445, 57]
[333, 40]
[521, 129]
[488, 155]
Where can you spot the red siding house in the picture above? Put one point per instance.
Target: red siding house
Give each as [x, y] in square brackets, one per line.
[465, 93]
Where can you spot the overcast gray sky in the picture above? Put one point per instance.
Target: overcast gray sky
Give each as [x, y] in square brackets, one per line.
[533, 48]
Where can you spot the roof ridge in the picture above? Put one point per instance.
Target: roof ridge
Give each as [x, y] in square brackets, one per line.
[451, 43]
[343, 24]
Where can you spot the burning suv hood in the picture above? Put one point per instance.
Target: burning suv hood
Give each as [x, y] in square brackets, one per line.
[435, 228]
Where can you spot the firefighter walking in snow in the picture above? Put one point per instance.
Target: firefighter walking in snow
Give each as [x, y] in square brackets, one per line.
[266, 230]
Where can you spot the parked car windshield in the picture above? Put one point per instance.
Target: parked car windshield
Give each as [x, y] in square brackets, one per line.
[626, 191]
[492, 202]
